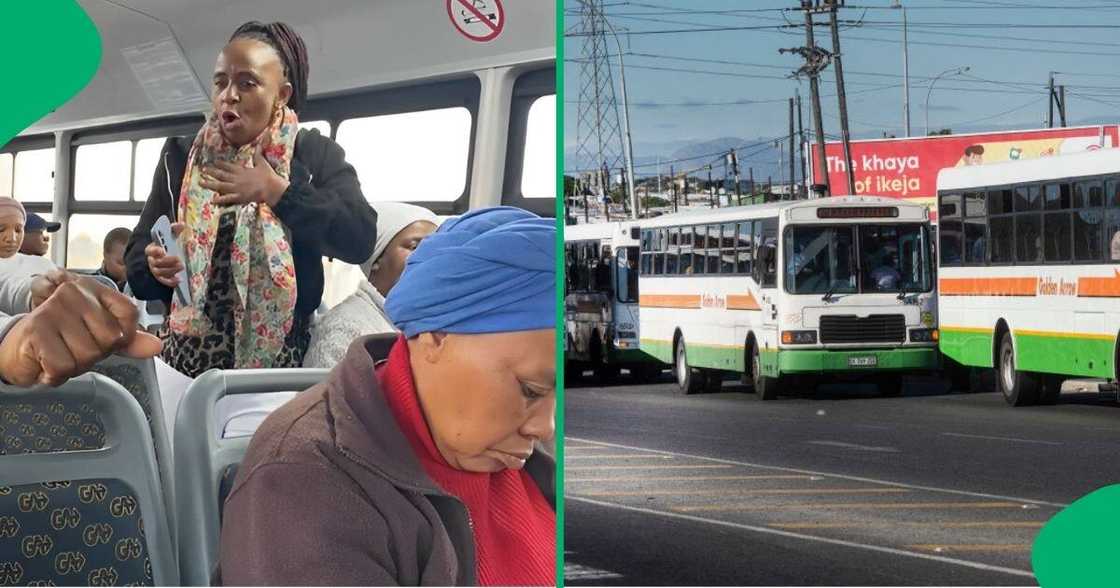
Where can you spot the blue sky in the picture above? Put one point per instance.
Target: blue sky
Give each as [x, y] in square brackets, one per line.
[1004, 88]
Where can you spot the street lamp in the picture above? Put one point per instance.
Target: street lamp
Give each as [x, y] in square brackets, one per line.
[955, 71]
[625, 112]
[905, 69]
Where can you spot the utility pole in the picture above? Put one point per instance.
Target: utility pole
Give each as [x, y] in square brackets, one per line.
[735, 172]
[1050, 99]
[752, 185]
[845, 136]
[673, 187]
[816, 59]
[801, 142]
[1062, 103]
[792, 168]
[905, 68]
[711, 189]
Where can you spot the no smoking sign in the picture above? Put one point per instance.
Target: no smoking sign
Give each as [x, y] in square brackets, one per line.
[477, 20]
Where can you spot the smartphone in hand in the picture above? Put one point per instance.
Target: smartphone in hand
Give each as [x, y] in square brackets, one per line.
[161, 233]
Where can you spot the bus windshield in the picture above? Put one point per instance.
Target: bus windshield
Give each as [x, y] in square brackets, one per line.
[825, 259]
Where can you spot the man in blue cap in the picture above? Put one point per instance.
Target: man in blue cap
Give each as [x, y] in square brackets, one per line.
[417, 461]
[35, 238]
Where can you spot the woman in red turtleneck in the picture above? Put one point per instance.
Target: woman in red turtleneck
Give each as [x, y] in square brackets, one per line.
[415, 462]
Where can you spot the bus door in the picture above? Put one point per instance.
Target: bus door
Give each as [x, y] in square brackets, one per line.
[766, 270]
[626, 298]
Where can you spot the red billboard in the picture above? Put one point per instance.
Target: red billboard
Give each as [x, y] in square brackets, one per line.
[908, 167]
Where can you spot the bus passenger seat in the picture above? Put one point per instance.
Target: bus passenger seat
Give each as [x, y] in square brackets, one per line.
[138, 377]
[205, 462]
[80, 496]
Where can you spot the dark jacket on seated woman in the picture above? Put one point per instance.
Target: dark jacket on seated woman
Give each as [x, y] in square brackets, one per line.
[368, 513]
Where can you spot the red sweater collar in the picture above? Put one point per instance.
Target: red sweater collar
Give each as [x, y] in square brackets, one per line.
[514, 526]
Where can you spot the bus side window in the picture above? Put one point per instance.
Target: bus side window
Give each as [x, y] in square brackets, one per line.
[1112, 201]
[766, 253]
[727, 249]
[950, 229]
[745, 249]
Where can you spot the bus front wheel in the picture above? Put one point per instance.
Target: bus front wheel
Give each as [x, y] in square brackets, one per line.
[765, 387]
[689, 379]
[1019, 388]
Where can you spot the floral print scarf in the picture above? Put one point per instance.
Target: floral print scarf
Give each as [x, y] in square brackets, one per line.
[261, 255]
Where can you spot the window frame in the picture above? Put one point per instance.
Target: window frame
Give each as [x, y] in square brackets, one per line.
[528, 87]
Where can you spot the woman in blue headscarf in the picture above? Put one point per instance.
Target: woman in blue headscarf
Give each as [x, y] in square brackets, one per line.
[417, 461]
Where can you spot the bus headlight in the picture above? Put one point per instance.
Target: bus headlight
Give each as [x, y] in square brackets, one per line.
[924, 335]
[799, 337]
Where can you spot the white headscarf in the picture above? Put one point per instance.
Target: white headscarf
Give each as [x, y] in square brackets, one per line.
[392, 218]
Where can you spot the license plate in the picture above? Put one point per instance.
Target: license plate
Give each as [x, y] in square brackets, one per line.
[863, 361]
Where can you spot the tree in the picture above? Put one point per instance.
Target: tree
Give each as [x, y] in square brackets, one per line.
[941, 132]
[569, 185]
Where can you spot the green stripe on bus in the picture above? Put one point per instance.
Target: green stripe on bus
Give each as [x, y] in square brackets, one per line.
[1074, 356]
[967, 346]
[1052, 353]
[720, 357]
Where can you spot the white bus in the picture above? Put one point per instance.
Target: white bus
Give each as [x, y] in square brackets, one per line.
[601, 302]
[1029, 274]
[834, 286]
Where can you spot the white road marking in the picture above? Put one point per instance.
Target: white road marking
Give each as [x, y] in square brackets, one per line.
[791, 535]
[1015, 439]
[855, 446]
[832, 475]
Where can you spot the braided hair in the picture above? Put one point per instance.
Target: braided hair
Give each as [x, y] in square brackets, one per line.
[289, 46]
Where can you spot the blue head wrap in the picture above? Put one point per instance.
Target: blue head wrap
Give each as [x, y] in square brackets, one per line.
[491, 270]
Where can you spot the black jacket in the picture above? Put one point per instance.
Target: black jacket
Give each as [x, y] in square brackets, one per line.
[323, 208]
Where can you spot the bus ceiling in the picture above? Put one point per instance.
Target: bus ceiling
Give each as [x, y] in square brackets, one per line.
[355, 45]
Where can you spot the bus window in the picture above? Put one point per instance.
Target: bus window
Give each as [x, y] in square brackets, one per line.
[6, 164]
[766, 236]
[1028, 198]
[1057, 197]
[745, 249]
[1088, 235]
[818, 260]
[86, 235]
[147, 160]
[727, 249]
[684, 263]
[671, 260]
[413, 156]
[1000, 201]
[975, 241]
[538, 176]
[1056, 236]
[101, 171]
[1003, 234]
[322, 126]
[34, 176]
[1028, 238]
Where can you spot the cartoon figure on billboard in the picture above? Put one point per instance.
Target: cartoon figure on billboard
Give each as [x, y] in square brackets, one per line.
[974, 155]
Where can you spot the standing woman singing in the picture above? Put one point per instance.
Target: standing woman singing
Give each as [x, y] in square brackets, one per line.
[257, 203]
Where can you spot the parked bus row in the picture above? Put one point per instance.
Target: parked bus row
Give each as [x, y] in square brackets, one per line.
[1020, 275]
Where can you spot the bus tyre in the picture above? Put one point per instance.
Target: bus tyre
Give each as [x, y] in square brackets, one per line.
[1018, 388]
[765, 387]
[890, 385]
[1050, 388]
[689, 379]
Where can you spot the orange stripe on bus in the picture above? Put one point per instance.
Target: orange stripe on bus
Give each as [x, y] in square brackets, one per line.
[989, 287]
[669, 300]
[1099, 287]
[742, 302]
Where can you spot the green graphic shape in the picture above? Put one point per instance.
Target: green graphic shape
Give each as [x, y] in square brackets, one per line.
[53, 50]
[1078, 547]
